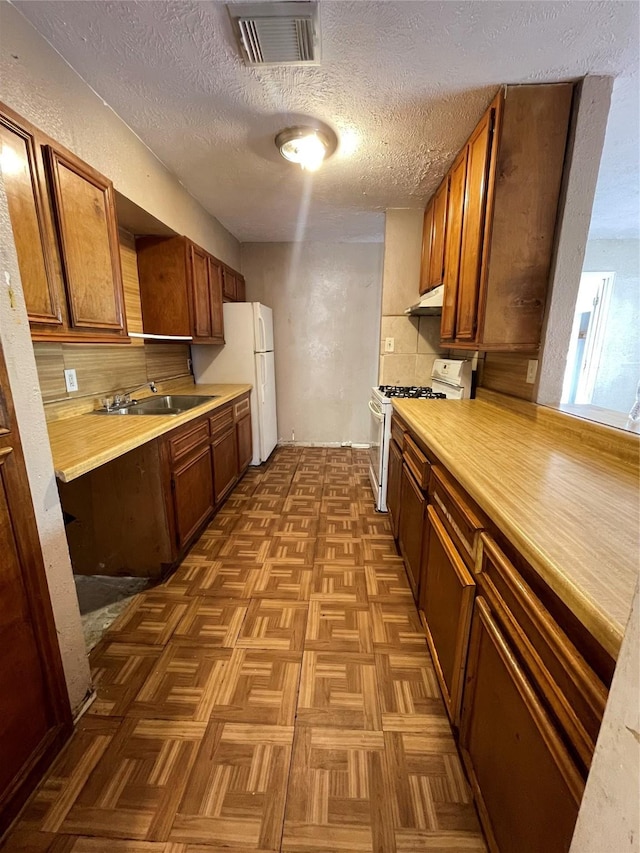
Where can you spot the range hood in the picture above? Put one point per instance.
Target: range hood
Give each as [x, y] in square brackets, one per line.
[430, 303]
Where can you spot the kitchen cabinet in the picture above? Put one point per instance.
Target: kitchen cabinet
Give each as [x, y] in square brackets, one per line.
[193, 494]
[34, 709]
[446, 599]
[244, 436]
[233, 286]
[85, 216]
[425, 263]
[413, 504]
[495, 229]
[180, 289]
[66, 234]
[438, 231]
[225, 463]
[22, 172]
[525, 783]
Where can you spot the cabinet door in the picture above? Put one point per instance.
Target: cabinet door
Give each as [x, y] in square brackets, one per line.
[473, 227]
[453, 240]
[412, 515]
[527, 788]
[438, 231]
[34, 710]
[200, 298]
[88, 236]
[31, 225]
[446, 599]
[215, 293]
[393, 487]
[241, 291]
[192, 486]
[245, 443]
[228, 284]
[425, 263]
[225, 464]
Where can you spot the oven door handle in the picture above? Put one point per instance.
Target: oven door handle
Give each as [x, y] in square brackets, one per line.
[377, 413]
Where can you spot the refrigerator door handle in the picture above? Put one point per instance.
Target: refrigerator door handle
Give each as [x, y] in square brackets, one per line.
[263, 378]
[263, 333]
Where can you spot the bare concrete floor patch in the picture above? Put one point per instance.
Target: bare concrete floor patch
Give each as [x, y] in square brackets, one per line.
[102, 599]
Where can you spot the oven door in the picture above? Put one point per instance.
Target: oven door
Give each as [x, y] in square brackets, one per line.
[376, 452]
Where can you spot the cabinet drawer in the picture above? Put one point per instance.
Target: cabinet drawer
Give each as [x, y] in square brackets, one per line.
[186, 439]
[569, 687]
[416, 461]
[221, 422]
[397, 432]
[460, 518]
[242, 408]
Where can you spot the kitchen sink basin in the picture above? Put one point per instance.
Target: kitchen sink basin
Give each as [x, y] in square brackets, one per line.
[167, 404]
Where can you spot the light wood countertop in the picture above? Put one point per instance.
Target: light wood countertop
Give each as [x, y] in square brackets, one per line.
[84, 442]
[572, 511]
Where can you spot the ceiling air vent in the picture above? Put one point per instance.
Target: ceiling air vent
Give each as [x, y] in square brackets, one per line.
[277, 33]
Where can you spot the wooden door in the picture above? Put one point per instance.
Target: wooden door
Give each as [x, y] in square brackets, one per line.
[192, 487]
[425, 262]
[473, 227]
[453, 240]
[411, 530]
[225, 464]
[393, 487]
[200, 297]
[88, 237]
[30, 221]
[527, 788]
[215, 295]
[35, 718]
[245, 443]
[446, 599]
[228, 284]
[438, 232]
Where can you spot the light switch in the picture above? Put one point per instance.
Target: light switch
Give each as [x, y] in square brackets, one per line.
[389, 344]
[532, 369]
[71, 380]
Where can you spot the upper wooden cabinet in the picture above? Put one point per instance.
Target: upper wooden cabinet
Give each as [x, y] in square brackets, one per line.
[425, 263]
[438, 229]
[180, 289]
[499, 228]
[66, 235]
[87, 227]
[233, 287]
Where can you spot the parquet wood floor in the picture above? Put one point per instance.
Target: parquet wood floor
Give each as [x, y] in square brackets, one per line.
[275, 694]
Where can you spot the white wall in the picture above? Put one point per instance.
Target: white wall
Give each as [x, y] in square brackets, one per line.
[609, 817]
[326, 305]
[38, 84]
[619, 370]
[416, 339]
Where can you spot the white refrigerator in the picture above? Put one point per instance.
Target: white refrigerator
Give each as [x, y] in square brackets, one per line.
[247, 356]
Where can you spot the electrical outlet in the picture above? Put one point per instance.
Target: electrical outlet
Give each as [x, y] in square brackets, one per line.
[532, 369]
[389, 344]
[71, 380]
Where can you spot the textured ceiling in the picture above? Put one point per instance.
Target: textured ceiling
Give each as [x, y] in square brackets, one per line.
[402, 83]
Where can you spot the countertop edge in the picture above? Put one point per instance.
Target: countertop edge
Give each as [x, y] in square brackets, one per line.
[161, 425]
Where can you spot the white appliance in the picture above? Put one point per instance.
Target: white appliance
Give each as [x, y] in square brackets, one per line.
[450, 380]
[247, 356]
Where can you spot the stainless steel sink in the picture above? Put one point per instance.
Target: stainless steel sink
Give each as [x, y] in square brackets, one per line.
[168, 404]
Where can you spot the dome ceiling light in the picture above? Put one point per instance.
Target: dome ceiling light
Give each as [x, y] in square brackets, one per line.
[307, 146]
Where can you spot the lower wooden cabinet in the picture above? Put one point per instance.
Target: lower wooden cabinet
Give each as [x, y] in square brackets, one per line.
[192, 494]
[393, 487]
[525, 783]
[245, 442]
[225, 464]
[447, 590]
[413, 505]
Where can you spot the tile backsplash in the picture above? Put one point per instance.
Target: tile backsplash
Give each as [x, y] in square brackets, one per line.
[416, 345]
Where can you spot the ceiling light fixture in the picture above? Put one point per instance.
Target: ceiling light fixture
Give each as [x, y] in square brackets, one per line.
[307, 146]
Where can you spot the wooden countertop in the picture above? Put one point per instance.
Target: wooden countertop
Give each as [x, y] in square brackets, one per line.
[570, 509]
[84, 442]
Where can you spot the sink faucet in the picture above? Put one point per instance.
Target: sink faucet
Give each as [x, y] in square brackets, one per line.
[125, 399]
